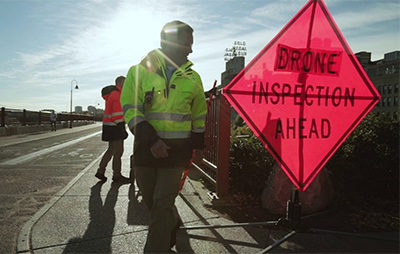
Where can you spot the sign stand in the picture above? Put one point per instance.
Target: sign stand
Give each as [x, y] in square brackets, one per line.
[292, 221]
[315, 93]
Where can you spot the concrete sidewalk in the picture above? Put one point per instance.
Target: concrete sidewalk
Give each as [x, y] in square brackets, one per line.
[88, 216]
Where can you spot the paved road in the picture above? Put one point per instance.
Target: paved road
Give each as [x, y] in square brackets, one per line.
[33, 168]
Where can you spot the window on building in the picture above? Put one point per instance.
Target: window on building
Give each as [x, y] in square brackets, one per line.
[396, 101]
[383, 102]
[384, 89]
[389, 101]
[371, 72]
[396, 88]
[390, 87]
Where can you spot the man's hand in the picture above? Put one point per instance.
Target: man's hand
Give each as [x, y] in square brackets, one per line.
[159, 149]
[198, 156]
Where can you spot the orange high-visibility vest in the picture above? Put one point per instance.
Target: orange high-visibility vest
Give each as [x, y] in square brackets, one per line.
[113, 113]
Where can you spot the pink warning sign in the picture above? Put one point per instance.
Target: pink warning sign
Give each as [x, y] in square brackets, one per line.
[304, 93]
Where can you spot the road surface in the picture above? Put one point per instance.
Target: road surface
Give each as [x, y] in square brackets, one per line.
[34, 167]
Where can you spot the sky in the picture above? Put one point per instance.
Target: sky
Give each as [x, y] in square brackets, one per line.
[49, 46]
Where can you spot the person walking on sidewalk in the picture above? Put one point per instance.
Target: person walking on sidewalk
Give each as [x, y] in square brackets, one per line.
[113, 131]
[165, 108]
[53, 120]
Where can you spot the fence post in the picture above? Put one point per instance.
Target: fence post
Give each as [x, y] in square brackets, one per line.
[24, 117]
[223, 147]
[3, 117]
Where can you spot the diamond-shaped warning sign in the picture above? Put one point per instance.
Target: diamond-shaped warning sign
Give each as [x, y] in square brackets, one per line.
[304, 93]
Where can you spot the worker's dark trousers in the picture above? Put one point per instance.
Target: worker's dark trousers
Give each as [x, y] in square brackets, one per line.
[114, 151]
[159, 187]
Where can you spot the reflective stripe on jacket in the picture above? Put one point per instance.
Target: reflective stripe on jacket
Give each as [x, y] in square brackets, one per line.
[175, 109]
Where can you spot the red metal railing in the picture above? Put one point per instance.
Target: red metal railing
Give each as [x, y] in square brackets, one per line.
[27, 117]
[215, 166]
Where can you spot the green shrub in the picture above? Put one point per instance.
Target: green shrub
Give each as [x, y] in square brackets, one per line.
[367, 163]
[250, 163]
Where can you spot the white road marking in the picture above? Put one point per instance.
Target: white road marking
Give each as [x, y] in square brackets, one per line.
[46, 151]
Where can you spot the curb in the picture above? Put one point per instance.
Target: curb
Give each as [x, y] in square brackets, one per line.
[24, 237]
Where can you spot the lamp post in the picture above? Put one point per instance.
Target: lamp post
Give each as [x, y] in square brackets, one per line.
[70, 107]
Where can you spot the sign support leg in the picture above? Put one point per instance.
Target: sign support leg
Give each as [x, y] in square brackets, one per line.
[292, 221]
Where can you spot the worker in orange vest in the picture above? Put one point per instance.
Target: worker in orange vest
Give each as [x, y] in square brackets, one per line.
[113, 131]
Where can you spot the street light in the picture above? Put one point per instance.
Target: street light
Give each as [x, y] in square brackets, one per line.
[70, 107]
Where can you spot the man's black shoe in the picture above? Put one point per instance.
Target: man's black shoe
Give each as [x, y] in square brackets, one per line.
[101, 177]
[121, 179]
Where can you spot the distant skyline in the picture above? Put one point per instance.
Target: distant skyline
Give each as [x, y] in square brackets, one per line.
[46, 44]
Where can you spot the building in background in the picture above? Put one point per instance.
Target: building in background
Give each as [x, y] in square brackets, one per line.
[234, 57]
[78, 109]
[385, 75]
[232, 68]
[96, 112]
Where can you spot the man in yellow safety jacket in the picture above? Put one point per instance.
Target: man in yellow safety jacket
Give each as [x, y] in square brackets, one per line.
[165, 108]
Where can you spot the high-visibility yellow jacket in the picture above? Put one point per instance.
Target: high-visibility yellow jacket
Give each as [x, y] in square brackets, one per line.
[155, 108]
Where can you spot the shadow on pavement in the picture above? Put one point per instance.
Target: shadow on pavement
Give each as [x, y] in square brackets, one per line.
[101, 225]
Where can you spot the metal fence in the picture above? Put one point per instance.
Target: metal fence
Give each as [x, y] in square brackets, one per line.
[10, 117]
[215, 166]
